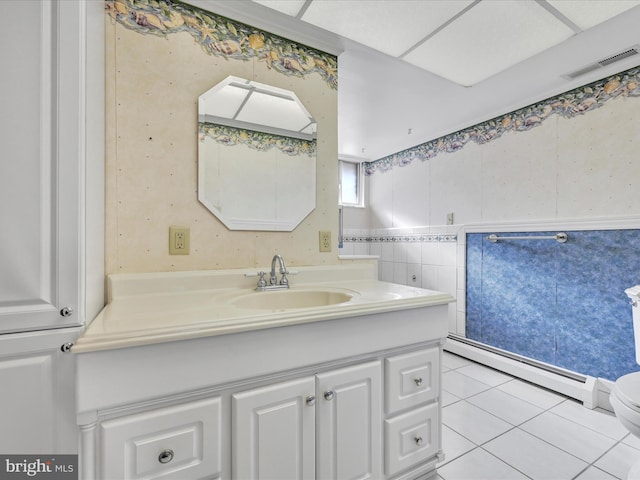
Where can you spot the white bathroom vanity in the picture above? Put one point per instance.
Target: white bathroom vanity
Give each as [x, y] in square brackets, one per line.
[196, 375]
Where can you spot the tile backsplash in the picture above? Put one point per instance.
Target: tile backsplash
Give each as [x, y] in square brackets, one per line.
[418, 257]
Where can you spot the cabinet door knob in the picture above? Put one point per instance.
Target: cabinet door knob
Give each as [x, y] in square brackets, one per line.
[166, 456]
[418, 381]
[418, 440]
[329, 394]
[310, 400]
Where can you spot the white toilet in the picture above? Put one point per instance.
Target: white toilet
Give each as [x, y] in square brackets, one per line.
[625, 396]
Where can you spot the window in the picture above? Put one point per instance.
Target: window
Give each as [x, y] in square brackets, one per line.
[351, 184]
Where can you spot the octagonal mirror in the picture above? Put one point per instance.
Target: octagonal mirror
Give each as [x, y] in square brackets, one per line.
[256, 156]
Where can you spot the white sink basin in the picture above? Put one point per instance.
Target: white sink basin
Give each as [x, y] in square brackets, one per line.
[290, 299]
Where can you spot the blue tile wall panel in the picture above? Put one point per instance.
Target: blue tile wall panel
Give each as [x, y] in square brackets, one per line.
[563, 304]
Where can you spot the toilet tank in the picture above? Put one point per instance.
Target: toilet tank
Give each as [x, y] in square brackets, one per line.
[634, 294]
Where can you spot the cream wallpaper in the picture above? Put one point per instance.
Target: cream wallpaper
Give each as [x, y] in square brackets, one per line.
[572, 104]
[566, 168]
[153, 82]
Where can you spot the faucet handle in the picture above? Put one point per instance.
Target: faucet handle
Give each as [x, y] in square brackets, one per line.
[261, 281]
[283, 279]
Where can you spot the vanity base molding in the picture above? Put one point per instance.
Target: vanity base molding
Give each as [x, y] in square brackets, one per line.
[349, 398]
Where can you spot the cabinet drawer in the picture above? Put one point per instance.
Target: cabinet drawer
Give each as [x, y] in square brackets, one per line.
[176, 442]
[412, 379]
[411, 438]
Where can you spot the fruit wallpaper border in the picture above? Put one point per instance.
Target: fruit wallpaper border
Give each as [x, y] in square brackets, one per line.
[222, 37]
[578, 101]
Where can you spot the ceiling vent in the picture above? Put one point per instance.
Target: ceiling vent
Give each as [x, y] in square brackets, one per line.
[629, 52]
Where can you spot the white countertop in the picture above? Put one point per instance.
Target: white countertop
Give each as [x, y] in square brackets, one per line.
[153, 308]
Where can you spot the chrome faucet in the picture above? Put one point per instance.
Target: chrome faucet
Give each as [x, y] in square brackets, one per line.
[273, 279]
[273, 283]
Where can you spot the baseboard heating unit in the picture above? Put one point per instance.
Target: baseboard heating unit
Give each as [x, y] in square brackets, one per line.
[580, 387]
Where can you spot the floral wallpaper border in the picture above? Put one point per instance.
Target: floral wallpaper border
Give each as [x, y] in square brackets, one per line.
[569, 104]
[223, 37]
[256, 140]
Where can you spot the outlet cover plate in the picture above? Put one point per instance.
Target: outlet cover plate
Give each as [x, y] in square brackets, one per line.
[325, 240]
[179, 240]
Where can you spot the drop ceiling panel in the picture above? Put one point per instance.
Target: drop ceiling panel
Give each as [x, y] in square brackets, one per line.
[587, 14]
[489, 38]
[390, 27]
[464, 41]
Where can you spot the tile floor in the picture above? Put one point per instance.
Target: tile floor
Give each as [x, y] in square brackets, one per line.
[498, 427]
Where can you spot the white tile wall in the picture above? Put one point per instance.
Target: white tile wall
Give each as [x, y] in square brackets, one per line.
[431, 264]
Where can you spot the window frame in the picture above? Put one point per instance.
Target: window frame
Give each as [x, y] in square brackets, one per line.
[359, 183]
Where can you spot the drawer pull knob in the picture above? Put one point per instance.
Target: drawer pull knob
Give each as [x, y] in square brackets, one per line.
[166, 456]
[310, 400]
[418, 440]
[418, 381]
[329, 394]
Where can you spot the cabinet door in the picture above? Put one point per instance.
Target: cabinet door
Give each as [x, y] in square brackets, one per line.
[349, 411]
[273, 431]
[40, 171]
[37, 395]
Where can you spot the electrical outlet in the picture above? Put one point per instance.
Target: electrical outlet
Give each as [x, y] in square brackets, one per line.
[179, 240]
[325, 241]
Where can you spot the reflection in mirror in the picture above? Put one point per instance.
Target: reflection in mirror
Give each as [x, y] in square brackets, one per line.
[256, 156]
